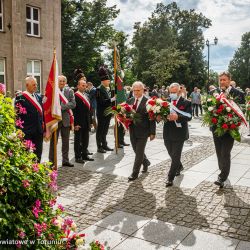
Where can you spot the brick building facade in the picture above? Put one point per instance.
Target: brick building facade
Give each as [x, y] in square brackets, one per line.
[29, 32]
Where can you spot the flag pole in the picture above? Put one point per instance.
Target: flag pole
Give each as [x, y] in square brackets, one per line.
[116, 124]
[55, 132]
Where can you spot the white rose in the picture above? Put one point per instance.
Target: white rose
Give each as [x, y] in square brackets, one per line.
[228, 109]
[159, 101]
[158, 108]
[79, 241]
[209, 100]
[12, 136]
[210, 108]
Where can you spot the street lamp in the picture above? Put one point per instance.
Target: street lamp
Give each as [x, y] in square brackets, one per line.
[208, 55]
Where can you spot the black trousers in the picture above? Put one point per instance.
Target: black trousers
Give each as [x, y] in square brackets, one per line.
[223, 146]
[81, 143]
[65, 133]
[174, 149]
[102, 130]
[139, 145]
[37, 139]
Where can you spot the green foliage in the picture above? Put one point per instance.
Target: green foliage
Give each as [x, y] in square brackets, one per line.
[239, 66]
[29, 214]
[170, 35]
[86, 27]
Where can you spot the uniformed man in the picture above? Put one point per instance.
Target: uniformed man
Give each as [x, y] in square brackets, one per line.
[32, 119]
[103, 100]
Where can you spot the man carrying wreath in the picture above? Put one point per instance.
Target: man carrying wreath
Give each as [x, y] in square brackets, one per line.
[224, 143]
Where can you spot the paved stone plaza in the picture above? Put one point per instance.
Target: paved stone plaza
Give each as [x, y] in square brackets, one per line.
[144, 214]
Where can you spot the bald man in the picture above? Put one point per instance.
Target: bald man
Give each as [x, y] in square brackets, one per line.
[32, 119]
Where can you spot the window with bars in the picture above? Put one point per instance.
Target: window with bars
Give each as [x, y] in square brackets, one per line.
[2, 70]
[32, 21]
[1, 15]
[34, 69]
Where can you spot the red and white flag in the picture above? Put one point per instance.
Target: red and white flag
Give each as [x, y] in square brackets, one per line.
[51, 102]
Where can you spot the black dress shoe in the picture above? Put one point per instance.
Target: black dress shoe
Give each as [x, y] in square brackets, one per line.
[87, 159]
[132, 178]
[145, 166]
[67, 164]
[79, 160]
[101, 150]
[178, 172]
[169, 183]
[219, 183]
[120, 146]
[125, 144]
[108, 148]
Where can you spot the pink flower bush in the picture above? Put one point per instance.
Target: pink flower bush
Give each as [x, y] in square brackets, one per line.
[19, 123]
[35, 167]
[21, 109]
[53, 178]
[29, 145]
[37, 208]
[26, 183]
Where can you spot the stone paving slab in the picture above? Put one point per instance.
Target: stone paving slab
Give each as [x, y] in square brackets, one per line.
[123, 222]
[162, 233]
[107, 237]
[198, 240]
[243, 245]
[132, 243]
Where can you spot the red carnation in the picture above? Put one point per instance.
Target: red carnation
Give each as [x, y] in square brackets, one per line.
[239, 123]
[128, 108]
[219, 111]
[233, 126]
[151, 102]
[225, 126]
[221, 107]
[164, 104]
[214, 120]
[114, 108]
[230, 115]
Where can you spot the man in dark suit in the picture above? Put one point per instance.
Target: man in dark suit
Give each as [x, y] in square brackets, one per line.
[67, 99]
[224, 144]
[82, 122]
[175, 130]
[33, 120]
[140, 131]
[103, 100]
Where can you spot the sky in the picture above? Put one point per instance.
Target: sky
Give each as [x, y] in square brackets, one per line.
[230, 20]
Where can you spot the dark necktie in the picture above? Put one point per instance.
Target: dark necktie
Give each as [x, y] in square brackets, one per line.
[136, 104]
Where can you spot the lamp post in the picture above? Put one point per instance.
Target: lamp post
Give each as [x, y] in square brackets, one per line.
[208, 55]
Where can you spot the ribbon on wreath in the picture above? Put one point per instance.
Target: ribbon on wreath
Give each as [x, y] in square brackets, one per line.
[125, 122]
[231, 104]
[176, 110]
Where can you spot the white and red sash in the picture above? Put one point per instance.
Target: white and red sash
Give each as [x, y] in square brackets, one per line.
[33, 101]
[83, 98]
[233, 106]
[64, 100]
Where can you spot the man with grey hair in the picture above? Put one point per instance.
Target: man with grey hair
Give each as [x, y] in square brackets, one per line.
[31, 119]
[175, 130]
[67, 100]
[141, 131]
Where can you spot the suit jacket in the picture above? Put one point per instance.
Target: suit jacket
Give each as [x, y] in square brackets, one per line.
[82, 114]
[144, 128]
[92, 97]
[33, 120]
[171, 131]
[103, 100]
[239, 96]
[69, 94]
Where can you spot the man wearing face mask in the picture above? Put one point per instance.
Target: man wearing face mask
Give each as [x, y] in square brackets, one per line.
[175, 130]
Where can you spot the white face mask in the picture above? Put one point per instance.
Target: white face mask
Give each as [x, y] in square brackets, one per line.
[173, 96]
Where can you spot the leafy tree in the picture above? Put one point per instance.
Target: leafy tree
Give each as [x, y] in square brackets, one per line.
[170, 35]
[239, 66]
[86, 27]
